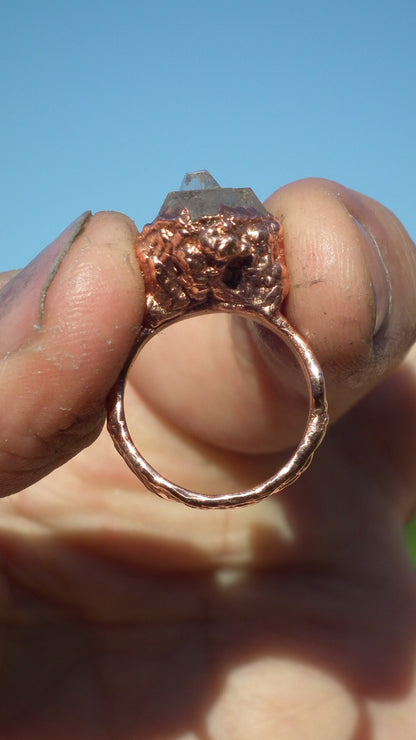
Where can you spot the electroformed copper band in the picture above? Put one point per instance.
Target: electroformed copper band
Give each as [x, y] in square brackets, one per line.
[230, 262]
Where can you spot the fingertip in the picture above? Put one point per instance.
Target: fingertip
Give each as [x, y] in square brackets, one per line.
[95, 304]
[55, 383]
[352, 270]
[331, 301]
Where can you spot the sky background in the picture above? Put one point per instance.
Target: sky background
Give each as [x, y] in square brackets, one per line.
[105, 105]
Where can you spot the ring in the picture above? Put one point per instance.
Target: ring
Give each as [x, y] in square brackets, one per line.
[214, 249]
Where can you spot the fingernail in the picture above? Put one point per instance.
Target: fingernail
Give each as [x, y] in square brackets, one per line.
[23, 299]
[380, 279]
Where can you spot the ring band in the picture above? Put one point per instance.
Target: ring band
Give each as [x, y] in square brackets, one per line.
[216, 250]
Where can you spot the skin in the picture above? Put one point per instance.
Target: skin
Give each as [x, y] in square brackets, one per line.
[124, 616]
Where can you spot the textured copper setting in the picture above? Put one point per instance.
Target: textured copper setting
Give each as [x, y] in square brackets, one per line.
[231, 261]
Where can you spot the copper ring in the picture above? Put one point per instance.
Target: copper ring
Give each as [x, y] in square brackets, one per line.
[231, 261]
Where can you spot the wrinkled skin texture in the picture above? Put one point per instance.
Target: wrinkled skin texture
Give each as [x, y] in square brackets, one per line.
[124, 616]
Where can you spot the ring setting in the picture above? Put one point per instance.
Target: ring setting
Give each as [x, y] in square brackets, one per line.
[214, 249]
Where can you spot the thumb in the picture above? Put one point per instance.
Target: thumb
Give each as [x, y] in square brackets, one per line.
[67, 323]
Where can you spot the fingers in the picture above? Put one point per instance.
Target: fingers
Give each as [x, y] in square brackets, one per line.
[67, 323]
[352, 270]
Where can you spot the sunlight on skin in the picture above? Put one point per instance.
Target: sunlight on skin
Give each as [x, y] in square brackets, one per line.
[263, 692]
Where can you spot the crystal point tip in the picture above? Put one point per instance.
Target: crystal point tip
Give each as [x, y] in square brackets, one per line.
[199, 180]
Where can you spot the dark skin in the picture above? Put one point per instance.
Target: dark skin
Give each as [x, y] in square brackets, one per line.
[125, 616]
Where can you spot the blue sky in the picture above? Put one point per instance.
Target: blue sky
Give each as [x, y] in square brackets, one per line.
[106, 104]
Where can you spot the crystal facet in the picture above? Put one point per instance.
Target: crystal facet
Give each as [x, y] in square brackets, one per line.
[209, 199]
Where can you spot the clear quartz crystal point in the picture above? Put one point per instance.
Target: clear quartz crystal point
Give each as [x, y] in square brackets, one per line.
[199, 180]
[203, 196]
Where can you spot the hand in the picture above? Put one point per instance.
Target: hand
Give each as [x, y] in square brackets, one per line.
[126, 616]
